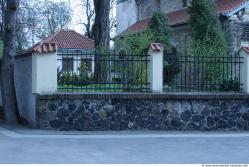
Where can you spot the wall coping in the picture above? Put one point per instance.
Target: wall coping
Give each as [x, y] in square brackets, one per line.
[163, 96]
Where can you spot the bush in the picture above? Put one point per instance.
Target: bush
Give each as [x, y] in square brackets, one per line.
[66, 77]
[159, 31]
[171, 66]
[84, 74]
[230, 85]
[84, 77]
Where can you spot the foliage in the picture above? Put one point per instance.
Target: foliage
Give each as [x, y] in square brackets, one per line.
[89, 12]
[159, 31]
[171, 66]
[230, 85]
[82, 77]
[84, 73]
[136, 43]
[54, 16]
[65, 77]
[37, 19]
[206, 32]
[207, 36]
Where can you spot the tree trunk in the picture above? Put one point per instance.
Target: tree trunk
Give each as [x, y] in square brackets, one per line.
[101, 33]
[7, 66]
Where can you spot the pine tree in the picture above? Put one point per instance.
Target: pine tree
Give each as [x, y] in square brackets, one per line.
[208, 41]
[161, 30]
[159, 26]
[207, 35]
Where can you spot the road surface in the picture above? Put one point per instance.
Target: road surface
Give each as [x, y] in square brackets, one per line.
[30, 146]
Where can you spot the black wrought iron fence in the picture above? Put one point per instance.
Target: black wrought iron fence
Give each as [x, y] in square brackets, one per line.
[90, 72]
[202, 73]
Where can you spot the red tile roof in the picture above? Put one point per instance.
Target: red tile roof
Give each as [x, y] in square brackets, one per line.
[178, 17]
[69, 39]
[226, 6]
[181, 16]
[45, 48]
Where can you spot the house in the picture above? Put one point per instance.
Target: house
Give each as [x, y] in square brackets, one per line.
[73, 50]
[233, 14]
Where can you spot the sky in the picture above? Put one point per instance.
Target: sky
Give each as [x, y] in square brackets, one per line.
[78, 15]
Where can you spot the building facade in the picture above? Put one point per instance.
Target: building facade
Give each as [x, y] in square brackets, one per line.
[234, 16]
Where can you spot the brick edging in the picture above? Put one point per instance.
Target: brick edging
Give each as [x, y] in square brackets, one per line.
[166, 96]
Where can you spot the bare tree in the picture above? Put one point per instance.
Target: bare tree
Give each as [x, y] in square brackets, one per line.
[89, 12]
[52, 17]
[101, 33]
[25, 24]
[37, 19]
[7, 66]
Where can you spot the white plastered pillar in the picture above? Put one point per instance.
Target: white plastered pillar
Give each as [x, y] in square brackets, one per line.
[155, 67]
[44, 72]
[244, 69]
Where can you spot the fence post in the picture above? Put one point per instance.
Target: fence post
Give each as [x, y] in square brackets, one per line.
[244, 69]
[44, 69]
[156, 67]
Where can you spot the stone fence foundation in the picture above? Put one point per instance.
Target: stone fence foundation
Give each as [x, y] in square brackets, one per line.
[143, 111]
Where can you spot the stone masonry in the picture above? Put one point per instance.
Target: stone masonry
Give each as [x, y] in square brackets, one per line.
[139, 114]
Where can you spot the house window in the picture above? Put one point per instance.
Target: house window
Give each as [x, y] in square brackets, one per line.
[87, 63]
[67, 64]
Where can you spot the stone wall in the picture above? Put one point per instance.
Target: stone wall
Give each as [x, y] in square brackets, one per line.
[146, 111]
[125, 20]
[143, 9]
[147, 8]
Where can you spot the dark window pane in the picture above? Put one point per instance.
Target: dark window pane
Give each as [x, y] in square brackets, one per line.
[67, 64]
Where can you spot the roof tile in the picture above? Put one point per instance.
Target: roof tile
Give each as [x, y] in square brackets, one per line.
[181, 16]
[69, 39]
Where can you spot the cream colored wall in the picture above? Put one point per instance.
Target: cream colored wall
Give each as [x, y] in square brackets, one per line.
[155, 69]
[44, 74]
[244, 71]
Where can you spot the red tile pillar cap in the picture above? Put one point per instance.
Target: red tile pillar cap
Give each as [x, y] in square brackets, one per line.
[156, 47]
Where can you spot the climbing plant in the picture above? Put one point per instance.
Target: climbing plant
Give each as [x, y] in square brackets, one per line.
[158, 31]
[208, 39]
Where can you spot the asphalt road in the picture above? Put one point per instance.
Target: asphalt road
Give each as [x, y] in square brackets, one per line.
[145, 147]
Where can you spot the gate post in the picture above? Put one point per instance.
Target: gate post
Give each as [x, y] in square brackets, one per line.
[44, 69]
[244, 69]
[156, 67]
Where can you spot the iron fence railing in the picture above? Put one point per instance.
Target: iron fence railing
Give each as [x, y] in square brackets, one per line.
[202, 73]
[90, 72]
